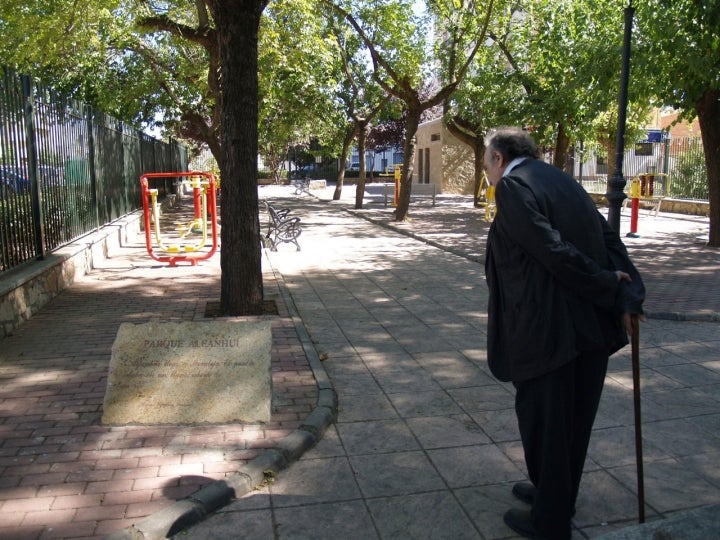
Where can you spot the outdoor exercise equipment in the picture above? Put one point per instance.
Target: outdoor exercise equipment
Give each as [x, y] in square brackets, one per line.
[486, 193]
[204, 204]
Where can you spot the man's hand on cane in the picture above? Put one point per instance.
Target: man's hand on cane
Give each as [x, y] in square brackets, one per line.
[627, 317]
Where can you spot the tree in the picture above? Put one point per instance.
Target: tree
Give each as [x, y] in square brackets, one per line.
[300, 75]
[396, 41]
[566, 56]
[200, 61]
[488, 96]
[553, 67]
[678, 52]
[66, 42]
[361, 99]
[237, 23]
[389, 129]
[179, 46]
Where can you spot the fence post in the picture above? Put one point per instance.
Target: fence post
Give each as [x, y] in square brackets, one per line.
[91, 165]
[32, 165]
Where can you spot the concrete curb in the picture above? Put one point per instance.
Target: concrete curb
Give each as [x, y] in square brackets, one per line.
[688, 316]
[198, 506]
[698, 524]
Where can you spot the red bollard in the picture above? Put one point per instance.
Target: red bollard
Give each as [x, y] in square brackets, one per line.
[634, 211]
[635, 207]
[197, 194]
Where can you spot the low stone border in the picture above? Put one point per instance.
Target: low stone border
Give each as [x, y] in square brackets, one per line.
[201, 504]
[26, 289]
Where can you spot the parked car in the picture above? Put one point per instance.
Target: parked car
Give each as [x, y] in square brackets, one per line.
[13, 180]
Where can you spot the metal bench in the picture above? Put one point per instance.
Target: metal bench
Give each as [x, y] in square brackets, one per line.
[302, 185]
[281, 228]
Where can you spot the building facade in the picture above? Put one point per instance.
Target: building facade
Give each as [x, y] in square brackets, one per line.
[443, 160]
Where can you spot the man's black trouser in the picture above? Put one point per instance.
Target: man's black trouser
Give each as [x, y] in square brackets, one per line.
[555, 415]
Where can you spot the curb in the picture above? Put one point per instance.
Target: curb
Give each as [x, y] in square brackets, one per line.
[696, 524]
[689, 316]
[198, 506]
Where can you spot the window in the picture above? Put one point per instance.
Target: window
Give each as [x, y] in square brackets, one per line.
[644, 149]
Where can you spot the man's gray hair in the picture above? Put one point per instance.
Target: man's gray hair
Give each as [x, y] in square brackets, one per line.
[512, 142]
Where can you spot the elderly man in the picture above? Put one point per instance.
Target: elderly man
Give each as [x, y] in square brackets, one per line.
[562, 291]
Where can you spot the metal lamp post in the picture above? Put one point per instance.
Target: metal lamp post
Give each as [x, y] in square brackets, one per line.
[615, 197]
[615, 194]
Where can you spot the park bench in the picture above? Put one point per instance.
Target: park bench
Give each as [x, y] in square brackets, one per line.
[302, 185]
[281, 228]
[417, 191]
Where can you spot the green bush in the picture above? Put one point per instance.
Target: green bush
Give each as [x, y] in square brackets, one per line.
[689, 177]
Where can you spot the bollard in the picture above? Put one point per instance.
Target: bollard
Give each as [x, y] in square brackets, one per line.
[635, 190]
[195, 182]
[397, 186]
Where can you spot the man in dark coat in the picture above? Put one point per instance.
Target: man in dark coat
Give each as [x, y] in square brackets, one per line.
[562, 291]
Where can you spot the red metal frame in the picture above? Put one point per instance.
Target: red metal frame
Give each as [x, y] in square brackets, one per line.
[193, 259]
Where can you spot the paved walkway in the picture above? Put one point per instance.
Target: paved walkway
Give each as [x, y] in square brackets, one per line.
[425, 444]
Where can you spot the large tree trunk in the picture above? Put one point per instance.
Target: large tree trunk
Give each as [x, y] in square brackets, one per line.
[610, 150]
[562, 143]
[708, 111]
[362, 154]
[340, 179]
[241, 287]
[406, 174]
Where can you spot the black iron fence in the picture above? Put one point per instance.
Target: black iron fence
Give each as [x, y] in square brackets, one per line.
[678, 164]
[66, 169]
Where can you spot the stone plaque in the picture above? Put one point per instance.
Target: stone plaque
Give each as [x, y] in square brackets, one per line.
[189, 372]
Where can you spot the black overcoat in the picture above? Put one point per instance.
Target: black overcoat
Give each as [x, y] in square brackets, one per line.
[549, 266]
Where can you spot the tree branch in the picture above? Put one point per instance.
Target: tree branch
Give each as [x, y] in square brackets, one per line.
[162, 23]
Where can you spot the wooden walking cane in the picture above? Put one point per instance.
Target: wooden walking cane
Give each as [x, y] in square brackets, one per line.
[635, 340]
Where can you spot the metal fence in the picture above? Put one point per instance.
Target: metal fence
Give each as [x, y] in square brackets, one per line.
[678, 163]
[66, 169]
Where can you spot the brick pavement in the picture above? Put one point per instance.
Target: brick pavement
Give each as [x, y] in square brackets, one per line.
[681, 274]
[62, 473]
[425, 443]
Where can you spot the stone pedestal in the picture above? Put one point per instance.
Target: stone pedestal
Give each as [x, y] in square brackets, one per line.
[189, 373]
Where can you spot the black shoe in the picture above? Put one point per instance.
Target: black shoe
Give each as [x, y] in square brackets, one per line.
[524, 491]
[520, 521]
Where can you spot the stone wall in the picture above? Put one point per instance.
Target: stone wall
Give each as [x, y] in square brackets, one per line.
[26, 289]
[675, 206]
